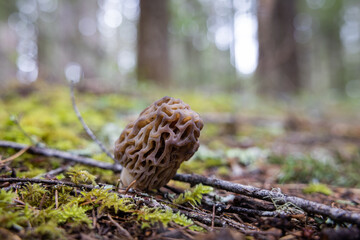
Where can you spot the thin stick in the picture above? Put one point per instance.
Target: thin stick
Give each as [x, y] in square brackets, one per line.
[49, 152]
[17, 123]
[202, 218]
[130, 185]
[94, 218]
[42, 201]
[56, 199]
[55, 172]
[220, 208]
[16, 155]
[46, 181]
[122, 230]
[86, 128]
[213, 218]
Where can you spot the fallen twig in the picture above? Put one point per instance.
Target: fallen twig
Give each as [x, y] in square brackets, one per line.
[46, 181]
[202, 218]
[17, 123]
[306, 205]
[16, 155]
[85, 126]
[49, 152]
[122, 230]
[55, 172]
[220, 208]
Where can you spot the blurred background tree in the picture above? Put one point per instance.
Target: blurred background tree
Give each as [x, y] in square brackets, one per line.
[153, 39]
[278, 69]
[281, 48]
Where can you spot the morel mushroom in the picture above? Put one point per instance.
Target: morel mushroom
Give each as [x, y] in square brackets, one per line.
[152, 147]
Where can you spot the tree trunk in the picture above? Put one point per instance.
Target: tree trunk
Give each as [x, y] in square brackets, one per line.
[153, 54]
[277, 70]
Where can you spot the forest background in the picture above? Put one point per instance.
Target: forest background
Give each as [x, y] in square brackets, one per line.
[276, 83]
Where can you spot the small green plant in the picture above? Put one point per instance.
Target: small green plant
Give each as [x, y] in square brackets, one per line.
[9, 216]
[317, 188]
[79, 176]
[151, 216]
[104, 199]
[33, 193]
[305, 169]
[48, 230]
[6, 198]
[193, 196]
[71, 213]
[287, 208]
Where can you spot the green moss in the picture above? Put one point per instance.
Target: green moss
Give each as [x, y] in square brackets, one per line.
[225, 171]
[71, 213]
[306, 169]
[47, 230]
[151, 216]
[79, 176]
[194, 195]
[203, 159]
[105, 200]
[317, 188]
[10, 217]
[6, 198]
[33, 193]
[103, 176]
[30, 173]
[192, 166]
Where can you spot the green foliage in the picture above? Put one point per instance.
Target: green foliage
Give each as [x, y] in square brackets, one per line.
[202, 160]
[306, 169]
[71, 213]
[151, 216]
[9, 217]
[193, 196]
[104, 199]
[31, 172]
[104, 176]
[317, 188]
[287, 208]
[79, 176]
[224, 171]
[33, 193]
[182, 220]
[48, 230]
[6, 198]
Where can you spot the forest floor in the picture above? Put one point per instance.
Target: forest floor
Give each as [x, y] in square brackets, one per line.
[308, 149]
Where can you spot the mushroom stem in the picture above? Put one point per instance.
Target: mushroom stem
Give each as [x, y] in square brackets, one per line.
[125, 178]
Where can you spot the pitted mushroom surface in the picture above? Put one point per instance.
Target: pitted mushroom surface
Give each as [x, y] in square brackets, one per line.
[152, 147]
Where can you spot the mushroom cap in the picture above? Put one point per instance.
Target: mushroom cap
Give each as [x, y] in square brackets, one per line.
[152, 147]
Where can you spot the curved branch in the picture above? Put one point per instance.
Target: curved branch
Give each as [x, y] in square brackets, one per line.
[85, 126]
[306, 205]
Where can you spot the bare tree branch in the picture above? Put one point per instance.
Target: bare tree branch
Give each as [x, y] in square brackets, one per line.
[85, 126]
[46, 181]
[49, 152]
[56, 171]
[306, 205]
